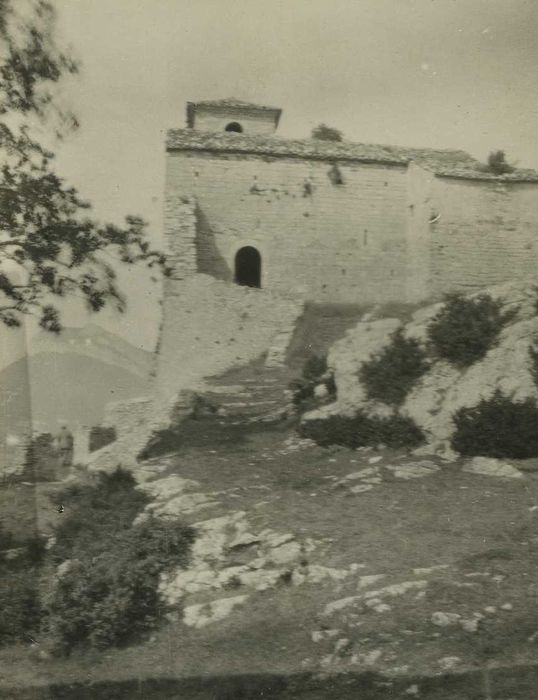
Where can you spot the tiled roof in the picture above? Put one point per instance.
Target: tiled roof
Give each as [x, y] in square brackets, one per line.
[227, 142]
[230, 103]
[444, 163]
[458, 164]
[234, 103]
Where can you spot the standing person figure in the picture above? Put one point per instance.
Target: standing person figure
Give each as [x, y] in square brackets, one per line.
[65, 446]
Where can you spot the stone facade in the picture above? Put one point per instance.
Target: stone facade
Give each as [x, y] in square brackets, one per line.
[317, 240]
[340, 222]
[486, 234]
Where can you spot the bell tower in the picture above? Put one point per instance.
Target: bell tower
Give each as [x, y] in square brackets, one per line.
[233, 116]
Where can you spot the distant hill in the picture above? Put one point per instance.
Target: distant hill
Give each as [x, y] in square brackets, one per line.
[94, 342]
[71, 378]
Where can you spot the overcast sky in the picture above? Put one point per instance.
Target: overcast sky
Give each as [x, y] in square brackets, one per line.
[439, 73]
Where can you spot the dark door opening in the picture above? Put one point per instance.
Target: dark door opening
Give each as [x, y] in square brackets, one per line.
[234, 126]
[248, 267]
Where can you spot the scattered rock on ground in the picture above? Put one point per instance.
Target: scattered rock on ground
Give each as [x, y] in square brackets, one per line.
[447, 663]
[202, 614]
[492, 467]
[443, 619]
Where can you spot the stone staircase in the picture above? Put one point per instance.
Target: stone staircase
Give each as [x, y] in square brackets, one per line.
[251, 394]
[257, 393]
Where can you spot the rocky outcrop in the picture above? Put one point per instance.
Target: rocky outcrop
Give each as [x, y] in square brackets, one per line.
[444, 389]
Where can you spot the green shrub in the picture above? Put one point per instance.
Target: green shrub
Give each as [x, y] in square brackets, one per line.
[109, 591]
[20, 606]
[361, 430]
[392, 374]
[111, 597]
[497, 427]
[107, 506]
[465, 329]
[100, 436]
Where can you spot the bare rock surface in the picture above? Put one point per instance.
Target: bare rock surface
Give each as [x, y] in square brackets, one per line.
[444, 388]
[488, 466]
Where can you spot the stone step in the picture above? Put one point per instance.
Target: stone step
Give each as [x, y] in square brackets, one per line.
[226, 389]
[248, 404]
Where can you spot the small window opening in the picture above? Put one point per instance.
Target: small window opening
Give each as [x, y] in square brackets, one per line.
[234, 126]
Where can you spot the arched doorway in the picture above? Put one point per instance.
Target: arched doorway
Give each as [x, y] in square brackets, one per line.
[248, 267]
[234, 126]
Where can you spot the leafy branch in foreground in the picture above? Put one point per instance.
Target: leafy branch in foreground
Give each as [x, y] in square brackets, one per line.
[50, 248]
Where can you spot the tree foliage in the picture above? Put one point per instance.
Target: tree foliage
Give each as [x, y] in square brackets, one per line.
[50, 247]
[322, 132]
[497, 163]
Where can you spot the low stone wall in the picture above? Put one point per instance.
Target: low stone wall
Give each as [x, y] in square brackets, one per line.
[13, 456]
[133, 423]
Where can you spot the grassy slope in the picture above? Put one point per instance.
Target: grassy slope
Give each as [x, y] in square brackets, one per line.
[472, 523]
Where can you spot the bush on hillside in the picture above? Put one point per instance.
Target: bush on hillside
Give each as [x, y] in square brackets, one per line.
[109, 505]
[113, 596]
[314, 373]
[20, 607]
[108, 593]
[101, 436]
[391, 375]
[497, 427]
[465, 329]
[361, 430]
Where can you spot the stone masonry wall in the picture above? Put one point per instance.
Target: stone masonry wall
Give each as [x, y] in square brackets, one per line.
[486, 234]
[318, 239]
[134, 423]
[210, 326]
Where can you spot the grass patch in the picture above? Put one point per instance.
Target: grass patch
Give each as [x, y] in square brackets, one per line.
[497, 427]
[465, 329]
[361, 430]
[107, 591]
[391, 375]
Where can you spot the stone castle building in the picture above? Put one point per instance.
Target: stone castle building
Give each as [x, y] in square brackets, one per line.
[337, 221]
[258, 226]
